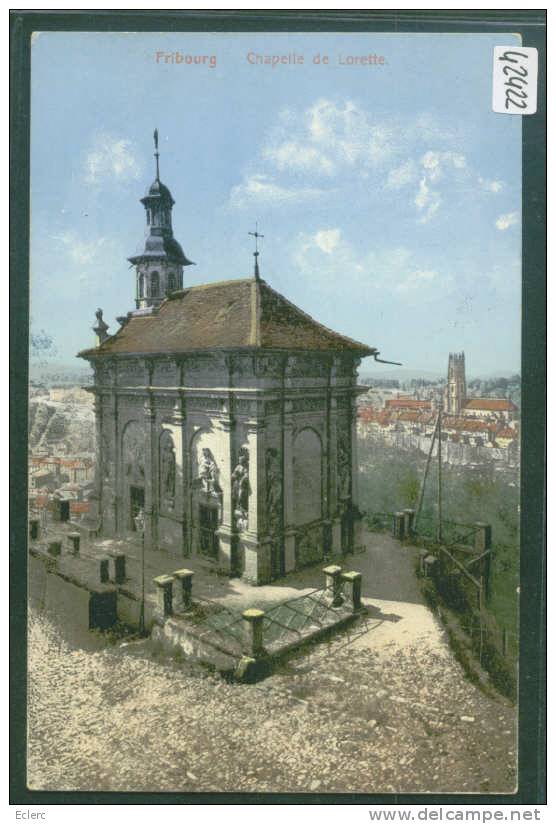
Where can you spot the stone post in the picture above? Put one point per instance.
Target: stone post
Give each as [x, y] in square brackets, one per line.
[253, 622]
[104, 572]
[55, 548]
[74, 539]
[429, 564]
[164, 595]
[333, 583]
[483, 537]
[409, 520]
[399, 526]
[118, 559]
[353, 580]
[34, 529]
[185, 578]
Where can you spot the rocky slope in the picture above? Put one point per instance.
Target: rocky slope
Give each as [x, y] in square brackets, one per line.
[336, 718]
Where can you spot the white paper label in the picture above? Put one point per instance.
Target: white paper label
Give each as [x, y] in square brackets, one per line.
[514, 80]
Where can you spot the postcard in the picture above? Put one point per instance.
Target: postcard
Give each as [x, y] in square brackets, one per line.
[275, 411]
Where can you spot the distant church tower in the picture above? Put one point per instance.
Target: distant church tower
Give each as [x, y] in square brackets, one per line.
[456, 389]
[159, 269]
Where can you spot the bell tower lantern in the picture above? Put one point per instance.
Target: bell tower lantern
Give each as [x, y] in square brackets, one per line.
[159, 268]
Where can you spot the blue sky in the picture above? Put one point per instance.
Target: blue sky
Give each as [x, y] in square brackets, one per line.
[389, 195]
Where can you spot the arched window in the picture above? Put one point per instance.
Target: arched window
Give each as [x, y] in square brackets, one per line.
[154, 285]
[141, 286]
[307, 477]
[171, 283]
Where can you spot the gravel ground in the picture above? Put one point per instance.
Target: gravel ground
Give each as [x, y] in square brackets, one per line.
[340, 717]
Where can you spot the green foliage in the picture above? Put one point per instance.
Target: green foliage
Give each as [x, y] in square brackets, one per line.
[408, 488]
[390, 480]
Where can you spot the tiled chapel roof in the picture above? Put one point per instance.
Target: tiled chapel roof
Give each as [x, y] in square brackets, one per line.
[232, 314]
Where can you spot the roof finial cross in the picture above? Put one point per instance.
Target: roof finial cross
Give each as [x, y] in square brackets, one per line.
[256, 234]
[156, 154]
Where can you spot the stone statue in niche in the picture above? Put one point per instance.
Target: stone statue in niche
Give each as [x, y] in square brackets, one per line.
[273, 496]
[134, 451]
[208, 473]
[344, 462]
[167, 471]
[241, 491]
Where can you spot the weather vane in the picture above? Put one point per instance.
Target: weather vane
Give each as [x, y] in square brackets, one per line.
[256, 234]
[156, 154]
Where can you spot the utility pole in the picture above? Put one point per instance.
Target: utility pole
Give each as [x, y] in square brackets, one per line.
[439, 531]
[426, 472]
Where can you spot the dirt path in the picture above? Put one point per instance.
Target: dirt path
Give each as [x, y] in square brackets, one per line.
[387, 711]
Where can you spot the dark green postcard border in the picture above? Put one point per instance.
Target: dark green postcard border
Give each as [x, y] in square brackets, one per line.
[532, 706]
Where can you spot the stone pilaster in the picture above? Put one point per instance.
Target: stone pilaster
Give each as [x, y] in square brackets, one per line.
[225, 531]
[100, 458]
[254, 542]
[255, 443]
[354, 455]
[150, 472]
[186, 472]
[287, 491]
[115, 504]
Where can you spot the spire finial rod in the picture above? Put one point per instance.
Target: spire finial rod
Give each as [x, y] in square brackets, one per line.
[156, 154]
[256, 234]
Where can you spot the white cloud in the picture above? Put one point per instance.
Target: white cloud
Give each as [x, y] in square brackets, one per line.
[260, 188]
[80, 251]
[401, 175]
[293, 155]
[344, 142]
[493, 186]
[505, 221]
[388, 270]
[436, 168]
[416, 279]
[329, 137]
[328, 239]
[427, 201]
[111, 158]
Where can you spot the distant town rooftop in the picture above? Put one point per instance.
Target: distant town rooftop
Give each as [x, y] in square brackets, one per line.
[491, 404]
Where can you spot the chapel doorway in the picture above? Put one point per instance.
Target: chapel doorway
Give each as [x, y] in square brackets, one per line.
[136, 502]
[208, 524]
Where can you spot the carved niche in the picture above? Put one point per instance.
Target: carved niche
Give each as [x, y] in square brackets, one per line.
[241, 491]
[344, 457]
[167, 472]
[133, 453]
[273, 491]
[208, 473]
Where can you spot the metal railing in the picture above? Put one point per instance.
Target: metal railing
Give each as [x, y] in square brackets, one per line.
[294, 617]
